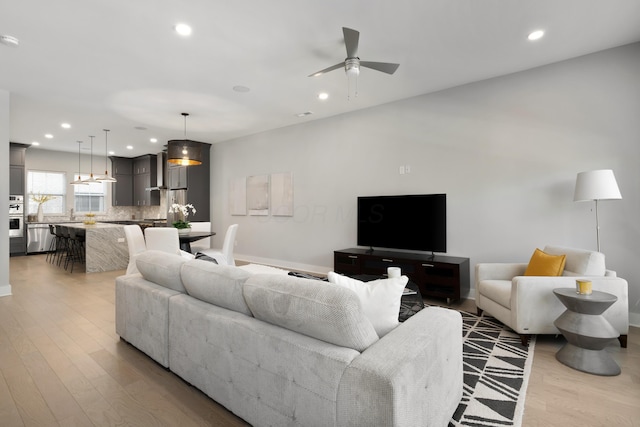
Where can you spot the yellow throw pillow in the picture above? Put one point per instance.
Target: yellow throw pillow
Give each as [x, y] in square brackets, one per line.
[543, 264]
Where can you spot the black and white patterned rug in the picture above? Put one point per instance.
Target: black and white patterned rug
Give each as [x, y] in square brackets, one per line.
[496, 373]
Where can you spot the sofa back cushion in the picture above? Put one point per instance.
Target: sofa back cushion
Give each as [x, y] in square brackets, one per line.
[161, 268]
[580, 262]
[220, 285]
[314, 308]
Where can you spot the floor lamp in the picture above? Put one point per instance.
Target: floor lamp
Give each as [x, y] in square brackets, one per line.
[596, 185]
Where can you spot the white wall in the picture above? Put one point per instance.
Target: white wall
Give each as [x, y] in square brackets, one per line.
[506, 151]
[5, 287]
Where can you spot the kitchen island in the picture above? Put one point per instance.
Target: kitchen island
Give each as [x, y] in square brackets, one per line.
[105, 246]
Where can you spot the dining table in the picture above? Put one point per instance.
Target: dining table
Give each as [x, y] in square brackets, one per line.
[187, 238]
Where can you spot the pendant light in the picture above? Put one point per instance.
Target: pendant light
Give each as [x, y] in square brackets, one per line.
[106, 177]
[184, 152]
[91, 178]
[79, 181]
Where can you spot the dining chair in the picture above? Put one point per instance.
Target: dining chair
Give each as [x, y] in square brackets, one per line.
[136, 245]
[202, 244]
[165, 239]
[224, 256]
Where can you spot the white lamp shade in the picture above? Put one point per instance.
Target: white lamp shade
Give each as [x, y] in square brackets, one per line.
[596, 185]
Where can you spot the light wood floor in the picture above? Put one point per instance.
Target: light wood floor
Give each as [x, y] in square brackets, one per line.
[61, 363]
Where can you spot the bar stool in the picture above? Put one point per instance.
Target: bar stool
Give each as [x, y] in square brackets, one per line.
[75, 250]
[52, 246]
[60, 245]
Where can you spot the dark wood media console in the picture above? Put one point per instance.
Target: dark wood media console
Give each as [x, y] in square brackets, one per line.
[437, 276]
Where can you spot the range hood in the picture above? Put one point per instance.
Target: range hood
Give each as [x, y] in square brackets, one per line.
[161, 180]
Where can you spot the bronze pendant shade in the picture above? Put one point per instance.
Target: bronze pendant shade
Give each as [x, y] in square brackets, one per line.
[184, 152]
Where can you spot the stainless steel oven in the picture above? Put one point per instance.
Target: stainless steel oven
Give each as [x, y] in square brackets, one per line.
[16, 216]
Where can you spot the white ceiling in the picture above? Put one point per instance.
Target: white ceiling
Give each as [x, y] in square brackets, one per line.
[118, 64]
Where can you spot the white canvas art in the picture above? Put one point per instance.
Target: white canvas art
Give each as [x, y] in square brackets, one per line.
[238, 196]
[258, 195]
[282, 194]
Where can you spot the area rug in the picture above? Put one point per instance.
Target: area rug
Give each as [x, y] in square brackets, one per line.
[496, 373]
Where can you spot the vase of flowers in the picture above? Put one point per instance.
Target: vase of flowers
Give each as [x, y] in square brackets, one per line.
[41, 199]
[182, 212]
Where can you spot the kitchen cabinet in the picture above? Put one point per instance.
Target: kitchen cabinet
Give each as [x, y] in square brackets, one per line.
[135, 176]
[121, 165]
[122, 190]
[143, 164]
[17, 153]
[16, 180]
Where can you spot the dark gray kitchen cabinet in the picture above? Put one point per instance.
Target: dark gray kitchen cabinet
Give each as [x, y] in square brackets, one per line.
[122, 190]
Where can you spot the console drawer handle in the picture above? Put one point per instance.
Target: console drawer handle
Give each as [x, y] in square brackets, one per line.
[427, 265]
[353, 256]
[387, 260]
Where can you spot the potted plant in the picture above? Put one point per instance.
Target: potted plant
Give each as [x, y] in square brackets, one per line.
[182, 212]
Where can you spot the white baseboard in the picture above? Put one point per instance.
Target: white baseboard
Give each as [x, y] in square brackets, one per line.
[5, 290]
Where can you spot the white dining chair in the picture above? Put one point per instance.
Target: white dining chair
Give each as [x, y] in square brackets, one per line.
[202, 244]
[165, 239]
[224, 256]
[136, 245]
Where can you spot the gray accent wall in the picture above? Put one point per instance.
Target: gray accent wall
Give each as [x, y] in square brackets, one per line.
[505, 150]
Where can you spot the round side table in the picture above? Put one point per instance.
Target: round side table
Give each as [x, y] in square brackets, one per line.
[586, 331]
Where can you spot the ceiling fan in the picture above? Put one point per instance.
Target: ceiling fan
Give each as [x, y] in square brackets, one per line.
[352, 63]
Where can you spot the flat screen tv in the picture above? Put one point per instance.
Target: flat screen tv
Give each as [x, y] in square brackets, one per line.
[413, 222]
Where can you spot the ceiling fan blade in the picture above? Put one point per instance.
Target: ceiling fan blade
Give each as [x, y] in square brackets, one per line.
[326, 70]
[351, 38]
[385, 67]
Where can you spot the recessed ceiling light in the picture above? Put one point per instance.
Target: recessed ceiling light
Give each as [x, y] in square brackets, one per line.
[154, 140]
[111, 153]
[182, 29]
[35, 143]
[323, 95]
[536, 35]
[129, 147]
[10, 41]
[65, 125]
[48, 135]
[241, 89]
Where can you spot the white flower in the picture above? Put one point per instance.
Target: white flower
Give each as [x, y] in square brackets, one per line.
[183, 209]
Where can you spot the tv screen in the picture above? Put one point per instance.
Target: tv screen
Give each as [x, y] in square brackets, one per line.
[415, 222]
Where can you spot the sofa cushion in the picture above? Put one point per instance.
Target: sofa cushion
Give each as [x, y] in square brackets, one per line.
[544, 264]
[220, 285]
[161, 268]
[380, 299]
[580, 262]
[317, 309]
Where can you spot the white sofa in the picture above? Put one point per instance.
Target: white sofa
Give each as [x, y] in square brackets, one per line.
[528, 305]
[279, 350]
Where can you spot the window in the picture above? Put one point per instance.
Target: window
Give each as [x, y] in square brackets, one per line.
[52, 184]
[89, 198]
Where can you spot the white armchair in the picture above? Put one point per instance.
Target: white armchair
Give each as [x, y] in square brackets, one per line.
[527, 304]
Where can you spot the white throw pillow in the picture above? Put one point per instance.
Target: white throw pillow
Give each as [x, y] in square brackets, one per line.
[380, 299]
